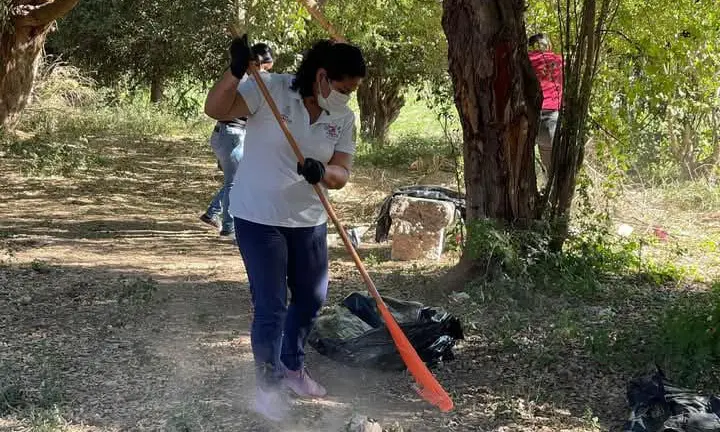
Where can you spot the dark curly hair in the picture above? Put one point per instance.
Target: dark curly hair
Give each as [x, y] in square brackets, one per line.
[539, 40]
[263, 52]
[340, 60]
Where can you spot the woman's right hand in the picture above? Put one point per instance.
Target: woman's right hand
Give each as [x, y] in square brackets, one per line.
[313, 170]
[239, 56]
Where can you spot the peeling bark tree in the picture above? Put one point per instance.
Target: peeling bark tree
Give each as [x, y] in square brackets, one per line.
[380, 100]
[498, 100]
[22, 37]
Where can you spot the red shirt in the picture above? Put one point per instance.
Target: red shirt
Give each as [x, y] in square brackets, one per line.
[549, 70]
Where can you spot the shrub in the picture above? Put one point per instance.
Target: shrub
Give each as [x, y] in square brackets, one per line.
[409, 151]
[689, 336]
[69, 111]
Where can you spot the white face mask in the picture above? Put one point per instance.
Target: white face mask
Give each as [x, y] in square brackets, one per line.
[335, 102]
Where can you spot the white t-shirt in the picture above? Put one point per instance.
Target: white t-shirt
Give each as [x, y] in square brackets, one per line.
[267, 188]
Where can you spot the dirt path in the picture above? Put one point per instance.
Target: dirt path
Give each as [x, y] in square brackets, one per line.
[124, 312]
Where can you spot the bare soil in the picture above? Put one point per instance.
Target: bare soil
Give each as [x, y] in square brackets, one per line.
[122, 312]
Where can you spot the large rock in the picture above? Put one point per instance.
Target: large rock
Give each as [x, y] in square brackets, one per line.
[418, 227]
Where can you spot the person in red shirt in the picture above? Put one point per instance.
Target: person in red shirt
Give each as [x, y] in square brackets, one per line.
[548, 67]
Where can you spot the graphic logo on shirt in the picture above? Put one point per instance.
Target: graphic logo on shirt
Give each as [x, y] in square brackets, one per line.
[332, 131]
[286, 117]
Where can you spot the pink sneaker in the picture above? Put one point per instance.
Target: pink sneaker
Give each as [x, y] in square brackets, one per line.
[271, 404]
[302, 384]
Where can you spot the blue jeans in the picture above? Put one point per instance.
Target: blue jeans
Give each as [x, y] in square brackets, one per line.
[278, 258]
[227, 143]
[546, 134]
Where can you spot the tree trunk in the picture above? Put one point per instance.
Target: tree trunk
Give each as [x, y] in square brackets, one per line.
[581, 52]
[157, 86]
[21, 55]
[498, 100]
[380, 101]
[715, 159]
[21, 47]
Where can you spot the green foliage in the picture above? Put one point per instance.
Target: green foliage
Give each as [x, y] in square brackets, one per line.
[44, 154]
[542, 18]
[60, 85]
[689, 331]
[488, 242]
[677, 331]
[161, 39]
[404, 151]
[403, 45]
[655, 103]
[18, 394]
[47, 420]
[190, 416]
[40, 266]
[67, 104]
[145, 39]
[5, 10]
[699, 195]
[186, 100]
[591, 257]
[70, 111]
[402, 40]
[601, 296]
[664, 81]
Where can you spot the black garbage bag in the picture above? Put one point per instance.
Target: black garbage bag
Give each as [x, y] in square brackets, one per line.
[658, 406]
[354, 333]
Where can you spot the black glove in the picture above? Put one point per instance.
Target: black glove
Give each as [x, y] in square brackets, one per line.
[239, 56]
[313, 170]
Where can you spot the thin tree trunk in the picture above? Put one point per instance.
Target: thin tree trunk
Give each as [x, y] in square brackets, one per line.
[715, 159]
[581, 51]
[681, 147]
[688, 161]
[497, 97]
[157, 86]
[21, 48]
[380, 101]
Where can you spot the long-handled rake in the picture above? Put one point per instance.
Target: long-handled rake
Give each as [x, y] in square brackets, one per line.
[427, 386]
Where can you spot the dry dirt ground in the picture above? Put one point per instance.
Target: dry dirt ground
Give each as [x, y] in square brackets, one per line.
[121, 312]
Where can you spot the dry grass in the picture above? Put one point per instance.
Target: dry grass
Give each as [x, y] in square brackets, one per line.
[122, 312]
[689, 212]
[140, 314]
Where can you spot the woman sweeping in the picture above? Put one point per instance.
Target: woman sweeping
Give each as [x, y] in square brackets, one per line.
[280, 223]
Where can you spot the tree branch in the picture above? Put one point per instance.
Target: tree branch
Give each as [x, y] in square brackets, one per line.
[44, 14]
